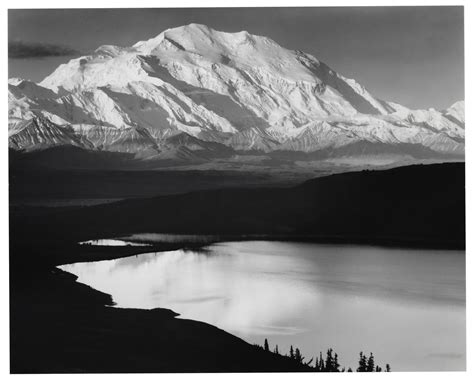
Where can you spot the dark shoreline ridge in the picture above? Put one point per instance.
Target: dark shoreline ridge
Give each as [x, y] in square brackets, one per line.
[420, 206]
[59, 325]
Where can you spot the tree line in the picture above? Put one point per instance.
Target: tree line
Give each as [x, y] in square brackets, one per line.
[328, 363]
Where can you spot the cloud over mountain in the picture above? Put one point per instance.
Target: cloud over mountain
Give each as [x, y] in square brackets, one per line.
[23, 49]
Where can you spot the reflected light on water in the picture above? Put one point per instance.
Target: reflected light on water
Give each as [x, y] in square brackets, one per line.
[111, 242]
[408, 307]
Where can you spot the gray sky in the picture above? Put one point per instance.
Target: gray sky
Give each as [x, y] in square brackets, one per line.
[410, 55]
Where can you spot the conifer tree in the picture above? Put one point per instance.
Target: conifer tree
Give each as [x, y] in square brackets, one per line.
[370, 363]
[276, 350]
[265, 345]
[362, 363]
[298, 357]
[387, 368]
[321, 362]
[292, 354]
[329, 361]
[336, 363]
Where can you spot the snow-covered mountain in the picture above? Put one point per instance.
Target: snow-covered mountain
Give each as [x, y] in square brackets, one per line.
[456, 112]
[195, 92]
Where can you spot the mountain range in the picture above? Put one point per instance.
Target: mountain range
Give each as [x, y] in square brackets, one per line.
[196, 94]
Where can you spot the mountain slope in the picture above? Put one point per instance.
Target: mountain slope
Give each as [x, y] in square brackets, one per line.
[39, 133]
[239, 90]
[456, 113]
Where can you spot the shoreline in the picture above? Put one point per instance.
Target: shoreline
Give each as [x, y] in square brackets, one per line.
[49, 310]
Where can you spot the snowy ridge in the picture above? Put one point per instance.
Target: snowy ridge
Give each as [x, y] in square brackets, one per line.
[456, 112]
[242, 91]
[38, 132]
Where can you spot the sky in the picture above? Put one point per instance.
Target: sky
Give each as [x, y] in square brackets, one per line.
[411, 55]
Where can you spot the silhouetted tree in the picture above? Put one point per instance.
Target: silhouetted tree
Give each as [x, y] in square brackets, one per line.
[336, 363]
[362, 363]
[321, 362]
[331, 363]
[371, 363]
[298, 357]
[328, 362]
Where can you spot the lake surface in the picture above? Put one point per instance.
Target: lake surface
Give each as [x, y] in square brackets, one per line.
[405, 306]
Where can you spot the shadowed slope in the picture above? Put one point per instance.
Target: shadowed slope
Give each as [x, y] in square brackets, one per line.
[410, 205]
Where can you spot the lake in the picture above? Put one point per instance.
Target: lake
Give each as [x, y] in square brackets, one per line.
[405, 306]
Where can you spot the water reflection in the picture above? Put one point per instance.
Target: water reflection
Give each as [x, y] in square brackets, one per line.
[111, 242]
[148, 239]
[408, 307]
[172, 238]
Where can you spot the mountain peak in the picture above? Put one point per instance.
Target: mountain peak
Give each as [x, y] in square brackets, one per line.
[456, 111]
[188, 30]
[237, 89]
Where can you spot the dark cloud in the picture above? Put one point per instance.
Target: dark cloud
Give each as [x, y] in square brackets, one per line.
[21, 50]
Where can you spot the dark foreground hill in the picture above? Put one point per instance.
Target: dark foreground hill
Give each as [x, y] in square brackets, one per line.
[421, 205]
